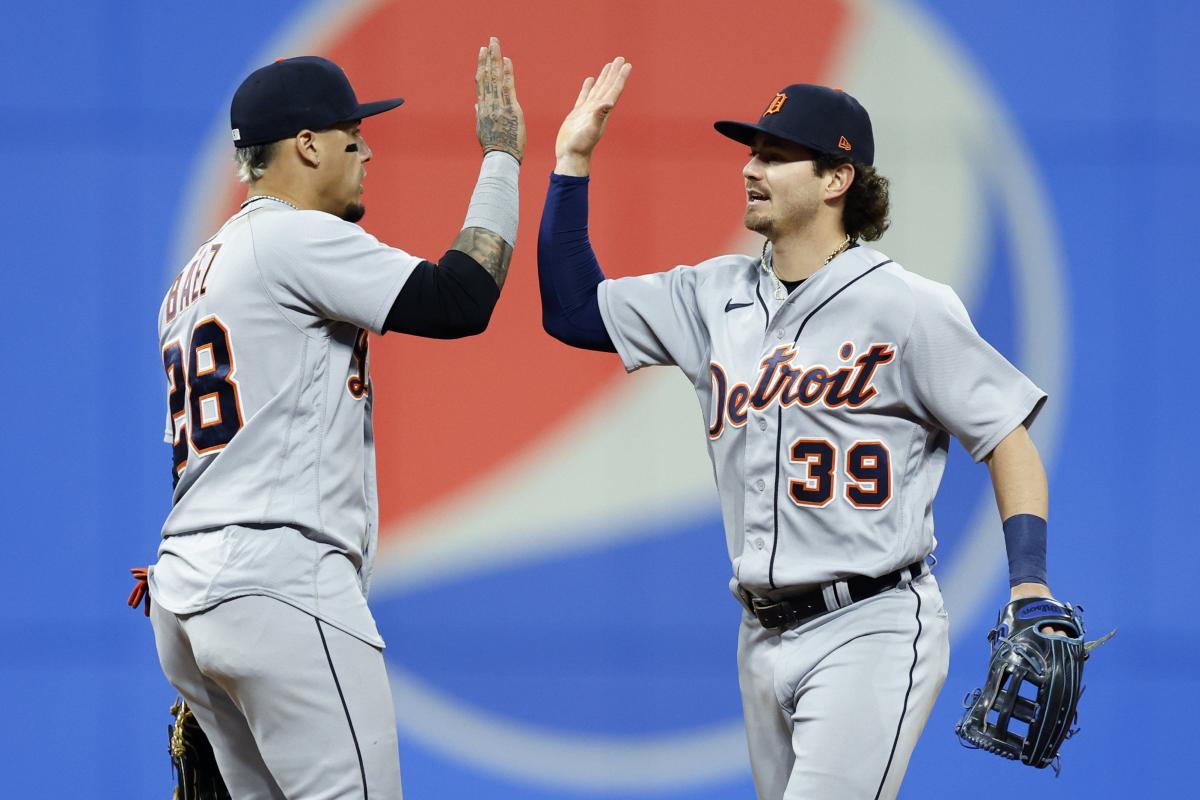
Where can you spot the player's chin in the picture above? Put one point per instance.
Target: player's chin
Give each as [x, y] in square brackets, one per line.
[756, 220]
[354, 212]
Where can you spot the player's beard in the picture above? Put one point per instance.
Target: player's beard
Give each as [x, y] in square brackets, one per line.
[354, 212]
[780, 218]
[757, 221]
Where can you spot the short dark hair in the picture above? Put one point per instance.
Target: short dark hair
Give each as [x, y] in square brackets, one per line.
[865, 215]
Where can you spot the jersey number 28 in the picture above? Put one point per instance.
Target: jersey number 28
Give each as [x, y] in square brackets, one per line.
[202, 394]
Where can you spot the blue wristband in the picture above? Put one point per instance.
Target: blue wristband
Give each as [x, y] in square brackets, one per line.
[1025, 540]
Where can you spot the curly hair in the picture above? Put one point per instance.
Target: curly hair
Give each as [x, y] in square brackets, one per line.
[865, 215]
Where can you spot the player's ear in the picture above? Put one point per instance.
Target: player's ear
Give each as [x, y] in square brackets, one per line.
[838, 181]
[308, 148]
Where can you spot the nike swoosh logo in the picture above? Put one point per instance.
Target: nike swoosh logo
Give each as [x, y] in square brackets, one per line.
[730, 306]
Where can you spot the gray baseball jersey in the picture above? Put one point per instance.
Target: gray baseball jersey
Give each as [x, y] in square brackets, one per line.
[828, 410]
[264, 343]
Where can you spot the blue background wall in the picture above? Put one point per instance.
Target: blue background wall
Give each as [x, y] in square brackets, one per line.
[108, 110]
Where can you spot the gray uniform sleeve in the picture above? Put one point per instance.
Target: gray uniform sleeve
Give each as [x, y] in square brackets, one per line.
[317, 264]
[654, 320]
[960, 382]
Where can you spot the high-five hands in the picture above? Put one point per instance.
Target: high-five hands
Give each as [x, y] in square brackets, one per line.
[499, 121]
[583, 127]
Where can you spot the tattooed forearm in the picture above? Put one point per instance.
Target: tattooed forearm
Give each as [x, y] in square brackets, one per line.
[492, 216]
[488, 249]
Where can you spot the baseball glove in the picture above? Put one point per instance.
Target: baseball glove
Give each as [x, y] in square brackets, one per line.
[193, 759]
[1028, 705]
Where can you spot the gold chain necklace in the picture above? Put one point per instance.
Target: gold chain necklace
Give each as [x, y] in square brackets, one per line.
[780, 289]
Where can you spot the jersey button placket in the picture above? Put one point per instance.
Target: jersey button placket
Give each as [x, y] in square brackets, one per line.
[759, 462]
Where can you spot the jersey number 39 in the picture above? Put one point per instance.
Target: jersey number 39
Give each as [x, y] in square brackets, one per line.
[868, 473]
[202, 394]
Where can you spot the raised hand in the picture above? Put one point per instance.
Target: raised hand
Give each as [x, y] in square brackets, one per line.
[499, 121]
[583, 127]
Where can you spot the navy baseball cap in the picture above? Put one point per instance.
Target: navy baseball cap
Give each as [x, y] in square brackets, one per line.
[293, 94]
[817, 117]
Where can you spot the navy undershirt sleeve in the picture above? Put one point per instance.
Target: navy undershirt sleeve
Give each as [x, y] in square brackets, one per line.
[568, 272]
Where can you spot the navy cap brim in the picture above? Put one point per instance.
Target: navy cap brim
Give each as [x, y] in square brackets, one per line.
[746, 132]
[377, 107]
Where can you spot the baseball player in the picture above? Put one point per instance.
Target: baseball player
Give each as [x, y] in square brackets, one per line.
[259, 594]
[831, 379]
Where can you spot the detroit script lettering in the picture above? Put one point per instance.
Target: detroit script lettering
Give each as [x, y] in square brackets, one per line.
[787, 384]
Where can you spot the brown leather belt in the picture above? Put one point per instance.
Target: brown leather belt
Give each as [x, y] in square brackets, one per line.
[792, 610]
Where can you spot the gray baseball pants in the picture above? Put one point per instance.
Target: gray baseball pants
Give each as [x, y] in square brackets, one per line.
[834, 707]
[293, 707]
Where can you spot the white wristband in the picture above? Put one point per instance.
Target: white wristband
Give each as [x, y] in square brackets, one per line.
[494, 202]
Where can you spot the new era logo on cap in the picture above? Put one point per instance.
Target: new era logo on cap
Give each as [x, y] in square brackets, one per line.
[842, 143]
